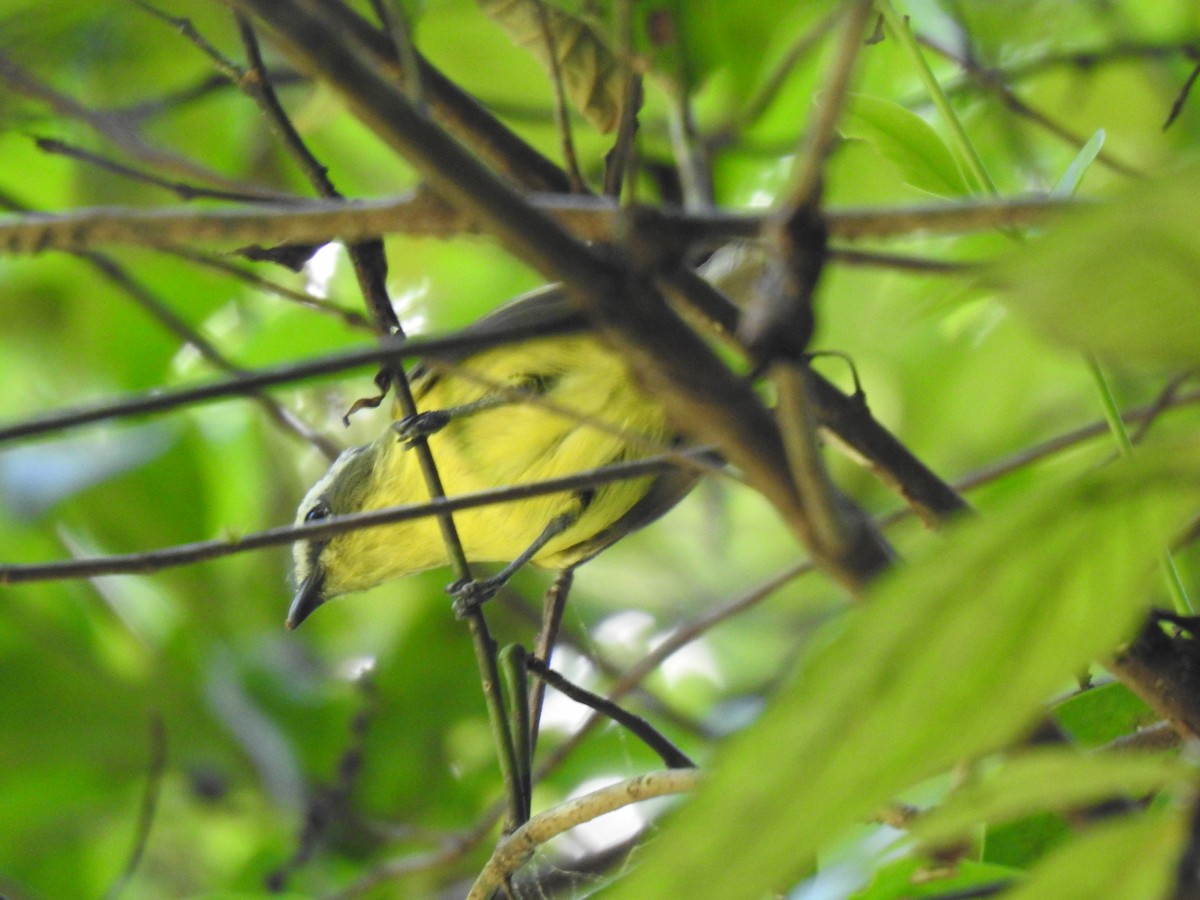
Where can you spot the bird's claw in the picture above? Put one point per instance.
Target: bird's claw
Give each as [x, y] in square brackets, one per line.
[469, 595]
[421, 425]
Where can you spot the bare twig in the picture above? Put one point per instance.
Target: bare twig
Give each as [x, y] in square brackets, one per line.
[760, 102]
[395, 21]
[349, 317]
[329, 804]
[143, 297]
[185, 554]
[994, 81]
[161, 400]
[512, 851]
[671, 755]
[621, 159]
[554, 604]
[115, 129]
[562, 117]
[180, 189]
[155, 768]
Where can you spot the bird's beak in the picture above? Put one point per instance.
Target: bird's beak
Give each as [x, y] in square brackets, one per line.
[309, 596]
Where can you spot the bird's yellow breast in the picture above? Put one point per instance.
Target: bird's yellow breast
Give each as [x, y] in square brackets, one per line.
[508, 444]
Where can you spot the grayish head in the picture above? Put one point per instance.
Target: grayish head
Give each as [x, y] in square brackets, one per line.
[315, 569]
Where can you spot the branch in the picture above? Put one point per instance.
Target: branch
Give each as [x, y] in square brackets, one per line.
[671, 755]
[115, 128]
[512, 851]
[390, 350]
[421, 214]
[702, 396]
[184, 554]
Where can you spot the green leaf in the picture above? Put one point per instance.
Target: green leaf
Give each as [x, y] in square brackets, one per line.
[1051, 779]
[1069, 183]
[1128, 859]
[949, 658]
[1119, 280]
[592, 77]
[908, 878]
[908, 142]
[1103, 713]
[1023, 842]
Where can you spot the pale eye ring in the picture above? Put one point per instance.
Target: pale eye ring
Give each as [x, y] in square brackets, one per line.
[318, 512]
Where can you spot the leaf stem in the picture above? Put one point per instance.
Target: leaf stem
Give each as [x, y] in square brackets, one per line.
[898, 25]
[1116, 424]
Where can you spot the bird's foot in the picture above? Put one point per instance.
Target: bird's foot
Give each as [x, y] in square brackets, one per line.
[421, 425]
[468, 595]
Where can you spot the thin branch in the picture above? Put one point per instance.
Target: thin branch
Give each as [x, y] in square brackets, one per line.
[181, 189]
[395, 21]
[902, 262]
[155, 768]
[512, 851]
[993, 80]
[370, 268]
[452, 107]
[1181, 99]
[200, 551]
[620, 161]
[562, 118]
[329, 805]
[187, 29]
[161, 400]
[554, 604]
[112, 127]
[349, 317]
[776, 79]
[807, 175]
[156, 308]
[672, 756]
[1165, 399]
[276, 412]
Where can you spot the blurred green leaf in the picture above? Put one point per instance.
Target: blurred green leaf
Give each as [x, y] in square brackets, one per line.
[1119, 279]
[909, 878]
[1103, 713]
[1132, 858]
[1046, 779]
[1022, 842]
[908, 142]
[950, 657]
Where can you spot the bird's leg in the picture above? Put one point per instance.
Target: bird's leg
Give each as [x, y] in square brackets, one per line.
[468, 595]
[423, 424]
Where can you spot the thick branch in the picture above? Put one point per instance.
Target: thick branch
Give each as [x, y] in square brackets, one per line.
[419, 213]
[700, 393]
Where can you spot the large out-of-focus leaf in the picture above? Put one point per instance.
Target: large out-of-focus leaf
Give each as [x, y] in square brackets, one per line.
[592, 77]
[950, 657]
[1132, 858]
[1122, 279]
[908, 142]
[1047, 779]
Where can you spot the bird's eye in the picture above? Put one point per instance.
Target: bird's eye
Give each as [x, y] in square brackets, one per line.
[318, 512]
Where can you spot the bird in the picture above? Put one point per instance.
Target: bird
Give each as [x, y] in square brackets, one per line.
[483, 433]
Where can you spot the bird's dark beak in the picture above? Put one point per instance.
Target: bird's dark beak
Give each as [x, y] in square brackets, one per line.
[309, 596]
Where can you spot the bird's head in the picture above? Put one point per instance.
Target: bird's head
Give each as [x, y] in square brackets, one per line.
[325, 567]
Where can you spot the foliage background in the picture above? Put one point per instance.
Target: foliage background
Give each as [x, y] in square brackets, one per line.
[257, 726]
